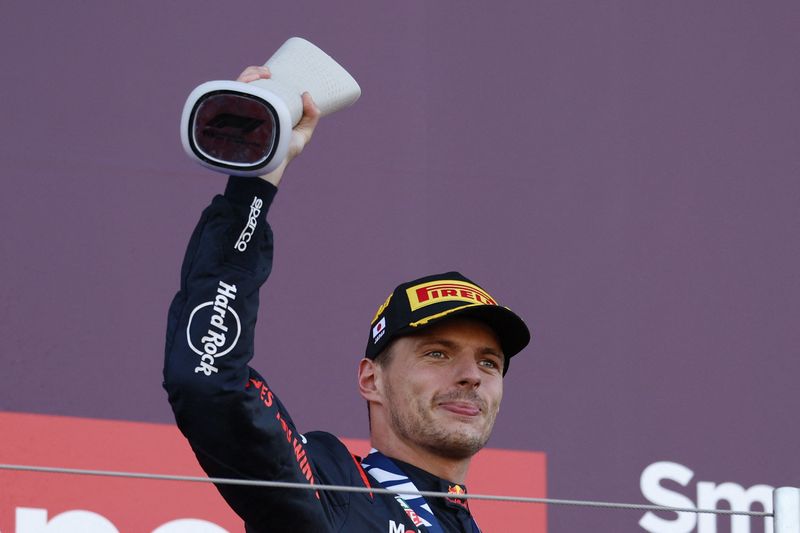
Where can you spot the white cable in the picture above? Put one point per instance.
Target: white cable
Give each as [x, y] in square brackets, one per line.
[343, 488]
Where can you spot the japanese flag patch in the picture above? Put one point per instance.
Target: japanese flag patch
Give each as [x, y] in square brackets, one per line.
[379, 329]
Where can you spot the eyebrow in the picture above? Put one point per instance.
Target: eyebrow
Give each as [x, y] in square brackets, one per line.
[486, 350]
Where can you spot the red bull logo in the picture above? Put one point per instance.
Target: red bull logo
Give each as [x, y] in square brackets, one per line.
[456, 491]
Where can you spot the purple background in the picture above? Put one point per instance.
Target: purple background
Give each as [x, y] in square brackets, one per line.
[623, 174]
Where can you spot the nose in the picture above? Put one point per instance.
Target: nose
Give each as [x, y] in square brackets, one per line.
[468, 374]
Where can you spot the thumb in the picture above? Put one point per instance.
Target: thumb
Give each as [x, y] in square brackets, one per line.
[310, 118]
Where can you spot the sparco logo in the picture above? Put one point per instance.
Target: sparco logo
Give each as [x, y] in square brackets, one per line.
[214, 328]
[252, 221]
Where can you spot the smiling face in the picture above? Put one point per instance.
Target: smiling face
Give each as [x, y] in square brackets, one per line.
[440, 389]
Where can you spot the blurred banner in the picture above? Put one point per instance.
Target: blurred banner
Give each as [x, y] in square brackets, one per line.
[33, 502]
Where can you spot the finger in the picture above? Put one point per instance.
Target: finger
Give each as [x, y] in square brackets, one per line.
[253, 73]
[310, 119]
[309, 105]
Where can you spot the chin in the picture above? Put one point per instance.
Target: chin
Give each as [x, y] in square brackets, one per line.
[459, 444]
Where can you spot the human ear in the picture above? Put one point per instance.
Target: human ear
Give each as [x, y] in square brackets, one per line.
[369, 380]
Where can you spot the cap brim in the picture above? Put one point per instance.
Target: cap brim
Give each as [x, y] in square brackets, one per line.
[511, 330]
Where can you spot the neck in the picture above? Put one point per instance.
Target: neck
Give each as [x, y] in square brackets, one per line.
[454, 470]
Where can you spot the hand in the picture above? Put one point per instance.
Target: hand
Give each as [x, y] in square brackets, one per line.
[301, 134]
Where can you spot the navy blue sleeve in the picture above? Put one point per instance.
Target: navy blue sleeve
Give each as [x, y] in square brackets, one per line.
[235, 424]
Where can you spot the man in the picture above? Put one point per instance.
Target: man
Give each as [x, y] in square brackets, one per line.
[432, 376]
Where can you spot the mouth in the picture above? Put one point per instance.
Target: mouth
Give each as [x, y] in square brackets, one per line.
[461, 408]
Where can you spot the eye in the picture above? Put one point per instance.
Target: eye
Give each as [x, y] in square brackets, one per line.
[490, 363]
[435, 354]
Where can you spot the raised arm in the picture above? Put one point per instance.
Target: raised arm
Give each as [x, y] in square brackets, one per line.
[234, 423]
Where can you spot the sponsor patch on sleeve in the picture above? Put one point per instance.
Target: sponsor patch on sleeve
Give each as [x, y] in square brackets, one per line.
[250, 227]
[214, 328]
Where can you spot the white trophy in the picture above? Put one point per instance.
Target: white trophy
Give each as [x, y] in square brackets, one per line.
[244, 128]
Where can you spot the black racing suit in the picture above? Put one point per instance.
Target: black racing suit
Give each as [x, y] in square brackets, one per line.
[235, 424]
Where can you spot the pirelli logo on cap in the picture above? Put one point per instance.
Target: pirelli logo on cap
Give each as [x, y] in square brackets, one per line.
[434, 292]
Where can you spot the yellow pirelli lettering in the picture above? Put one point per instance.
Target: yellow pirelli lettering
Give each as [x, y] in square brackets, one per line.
[438, 291]
[381, 308]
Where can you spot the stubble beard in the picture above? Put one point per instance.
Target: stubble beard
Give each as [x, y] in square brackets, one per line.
[416, 425]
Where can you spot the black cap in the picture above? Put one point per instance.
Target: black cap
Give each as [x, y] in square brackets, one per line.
[426, 301]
